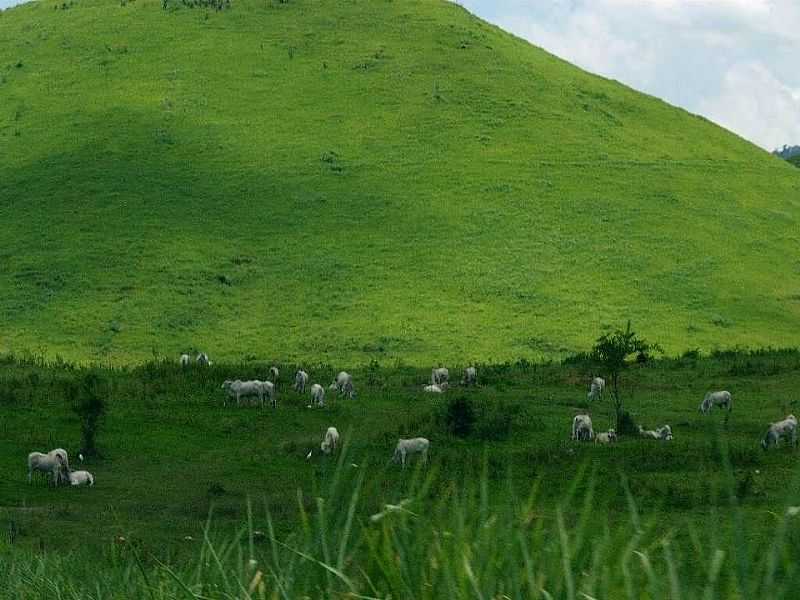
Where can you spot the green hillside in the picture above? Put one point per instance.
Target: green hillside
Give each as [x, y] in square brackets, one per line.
[345, 180]
[795, 160]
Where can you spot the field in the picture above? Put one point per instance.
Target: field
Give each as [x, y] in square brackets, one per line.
[355, 180]
[511, 507]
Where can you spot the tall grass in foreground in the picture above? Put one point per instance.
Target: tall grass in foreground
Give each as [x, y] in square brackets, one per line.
[469, 542]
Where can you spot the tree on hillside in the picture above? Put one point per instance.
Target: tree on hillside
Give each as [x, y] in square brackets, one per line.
[614, 351]
[89, 405]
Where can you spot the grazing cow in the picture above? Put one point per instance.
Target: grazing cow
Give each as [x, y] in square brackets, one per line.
[241, 389]
[712, 399]
[300, 381]
[470, 376]
[406, 448]
[662, 433]
[203, 360]
[55, 464]
[596, 389]
[436, 389]
[343, 384]
[440, 375]
[331, 440]
[81, 478]
[185, 360]
[607, 437]
[317, 395]
[781, 429]
[582, 428]
[274, 373]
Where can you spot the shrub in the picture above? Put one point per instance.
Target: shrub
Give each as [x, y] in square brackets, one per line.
[626, 425]
[459, 416]
[693, 354]
[88, 403]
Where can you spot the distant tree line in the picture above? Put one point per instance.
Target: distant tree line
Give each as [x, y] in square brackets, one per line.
[787, 152]
[213, 4]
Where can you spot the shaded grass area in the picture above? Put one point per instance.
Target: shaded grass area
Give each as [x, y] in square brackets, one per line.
[477, 538]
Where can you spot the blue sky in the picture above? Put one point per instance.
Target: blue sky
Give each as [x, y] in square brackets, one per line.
[733, 61]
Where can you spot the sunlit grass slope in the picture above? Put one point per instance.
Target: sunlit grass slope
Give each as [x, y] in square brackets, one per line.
[342, 180]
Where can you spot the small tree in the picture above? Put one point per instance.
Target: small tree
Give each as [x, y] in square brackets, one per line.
[613, 351]
[90, 406]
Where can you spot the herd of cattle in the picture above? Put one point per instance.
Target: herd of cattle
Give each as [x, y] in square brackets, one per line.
[55, 464]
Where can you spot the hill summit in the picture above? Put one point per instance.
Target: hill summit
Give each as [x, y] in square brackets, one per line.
[345, 180]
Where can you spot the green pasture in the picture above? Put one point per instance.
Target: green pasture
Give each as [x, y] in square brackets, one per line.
[171, 454]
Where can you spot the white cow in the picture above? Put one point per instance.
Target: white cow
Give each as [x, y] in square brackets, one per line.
[406, 448]
[662, 433]
[781, 429]
[274, 373]
[203, 360]
[607, 437]
[722, 399]
[470, 376]
[300, 381]
[185, 360]
[436, 389]
[317, 395]
[242, 389]
[331, 440]
[81, 478]
[440, 375]
[582, 428]
[55, 464]
[343, 384]
[596, 389]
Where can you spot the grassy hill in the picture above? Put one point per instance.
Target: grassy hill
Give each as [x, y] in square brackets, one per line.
[346, 180]
[795, 160]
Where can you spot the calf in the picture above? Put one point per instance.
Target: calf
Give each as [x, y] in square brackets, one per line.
[781, 429]
[722, 399]
[440, 376]
[331, 440]
[662, 433]
[81, 478]
[300, 381]
[470, 376]
[596, 389]
[582, 428]
[406, 448]
[607, 437]
[317, 395]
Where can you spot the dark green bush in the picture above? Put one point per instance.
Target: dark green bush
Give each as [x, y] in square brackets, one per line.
[88, 403]
[626, 425]
[459, 416]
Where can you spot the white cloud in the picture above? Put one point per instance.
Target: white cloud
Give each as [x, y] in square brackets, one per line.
[699, 54]
[757, 105]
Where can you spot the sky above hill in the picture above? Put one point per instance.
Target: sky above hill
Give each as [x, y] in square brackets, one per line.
[733, 61]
